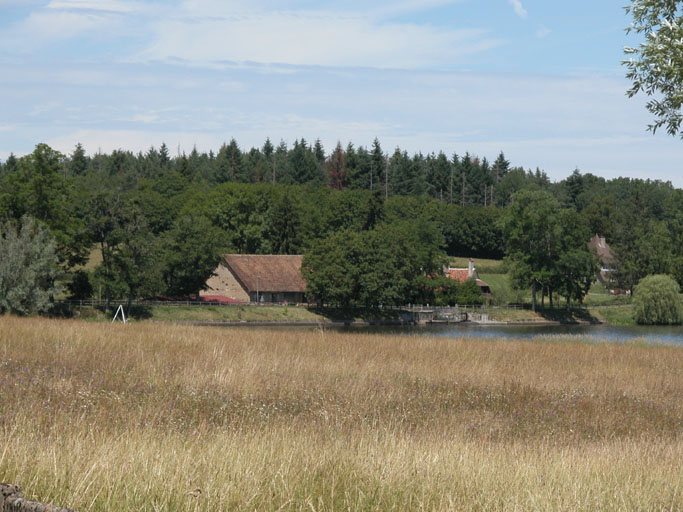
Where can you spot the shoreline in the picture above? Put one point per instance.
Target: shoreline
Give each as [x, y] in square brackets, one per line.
[379, 323]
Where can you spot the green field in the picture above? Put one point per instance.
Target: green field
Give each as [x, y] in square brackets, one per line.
[481, 264]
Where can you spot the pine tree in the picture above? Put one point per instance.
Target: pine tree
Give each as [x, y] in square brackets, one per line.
[500, 169]
[335, 168]
[363, 163]
[281, 170]
[466, 166]
[378, 172]
[268, 149]
[164, 158]
[79, 163]
[438, 176]
[454, 180]
[235, 163]
[304, 167]
[319, 152]
[353, 173]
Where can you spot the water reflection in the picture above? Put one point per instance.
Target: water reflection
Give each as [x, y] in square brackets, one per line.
[623, 334]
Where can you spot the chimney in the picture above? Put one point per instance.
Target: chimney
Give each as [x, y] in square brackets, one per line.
[470, 268]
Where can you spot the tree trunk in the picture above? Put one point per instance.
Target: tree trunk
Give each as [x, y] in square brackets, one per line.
[533, 296]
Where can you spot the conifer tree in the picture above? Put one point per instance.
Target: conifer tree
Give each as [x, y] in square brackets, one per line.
[79, 162]
[378, 171]
[335, 168]
[164, 158]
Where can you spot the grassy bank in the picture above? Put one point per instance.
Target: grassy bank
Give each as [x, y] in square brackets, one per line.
[234, 314]
[617, 315]
[167, 417]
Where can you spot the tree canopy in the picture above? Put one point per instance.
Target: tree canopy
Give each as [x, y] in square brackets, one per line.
[139, 218]
[655, 67]
[546, 246]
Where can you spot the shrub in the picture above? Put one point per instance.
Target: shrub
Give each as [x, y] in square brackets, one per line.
[657, 301]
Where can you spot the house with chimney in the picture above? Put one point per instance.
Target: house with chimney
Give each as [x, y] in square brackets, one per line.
[260, 278]
[607, 260]
[463, 274]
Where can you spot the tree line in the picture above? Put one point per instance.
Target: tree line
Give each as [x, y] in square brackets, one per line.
[157, 223]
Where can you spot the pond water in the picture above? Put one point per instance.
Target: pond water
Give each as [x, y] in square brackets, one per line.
[621, 334]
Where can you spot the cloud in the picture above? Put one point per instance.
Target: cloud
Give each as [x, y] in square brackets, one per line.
[44, 26]
[542, 32]
[22, 3]
[312, 38]
[519, 8]
[118, 6]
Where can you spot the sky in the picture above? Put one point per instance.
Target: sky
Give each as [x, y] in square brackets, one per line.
[541, 81]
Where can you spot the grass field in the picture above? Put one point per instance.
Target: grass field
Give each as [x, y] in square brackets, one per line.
[481, 264]
[153, 416]
[234, 314]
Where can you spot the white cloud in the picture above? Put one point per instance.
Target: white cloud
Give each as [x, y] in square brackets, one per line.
[542, 32]
[312, 39]
[22, 3]
[44, 26]
[519, 8]
[42, 108]
[118, 6]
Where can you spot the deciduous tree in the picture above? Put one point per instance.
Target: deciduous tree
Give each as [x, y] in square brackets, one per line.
[655, 67]
[28, 267]
[657, 301]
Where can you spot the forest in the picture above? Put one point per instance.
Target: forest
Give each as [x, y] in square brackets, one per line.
[157, 223]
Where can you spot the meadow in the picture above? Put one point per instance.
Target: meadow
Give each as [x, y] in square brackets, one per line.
[155, 416]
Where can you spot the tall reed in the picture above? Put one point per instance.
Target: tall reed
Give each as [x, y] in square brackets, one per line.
[167, 417]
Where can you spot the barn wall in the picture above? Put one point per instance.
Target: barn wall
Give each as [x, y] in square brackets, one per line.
[224, 284]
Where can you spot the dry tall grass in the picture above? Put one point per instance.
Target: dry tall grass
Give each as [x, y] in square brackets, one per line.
[162, 417]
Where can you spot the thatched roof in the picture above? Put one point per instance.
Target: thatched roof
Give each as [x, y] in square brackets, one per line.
[602, 249]
[267, 273]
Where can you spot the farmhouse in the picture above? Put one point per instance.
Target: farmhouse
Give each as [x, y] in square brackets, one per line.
[599, 245]
[463, 274]
[258, 278]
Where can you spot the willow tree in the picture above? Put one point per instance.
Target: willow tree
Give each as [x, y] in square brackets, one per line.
[655, 67]
[657, 301]
[28, 267]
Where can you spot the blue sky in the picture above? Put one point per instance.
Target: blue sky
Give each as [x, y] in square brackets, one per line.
[539, 80]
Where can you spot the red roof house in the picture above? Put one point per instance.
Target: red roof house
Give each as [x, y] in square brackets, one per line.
[463, 274]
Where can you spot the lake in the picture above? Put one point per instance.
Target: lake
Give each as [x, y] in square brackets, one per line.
[622, 334]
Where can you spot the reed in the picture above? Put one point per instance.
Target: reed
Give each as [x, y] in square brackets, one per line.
[153, 416]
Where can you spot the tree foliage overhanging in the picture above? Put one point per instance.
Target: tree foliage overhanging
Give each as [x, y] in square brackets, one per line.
[157, 223]
[655, 67]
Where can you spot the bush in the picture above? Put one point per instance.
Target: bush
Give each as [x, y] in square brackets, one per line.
[657, 301]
